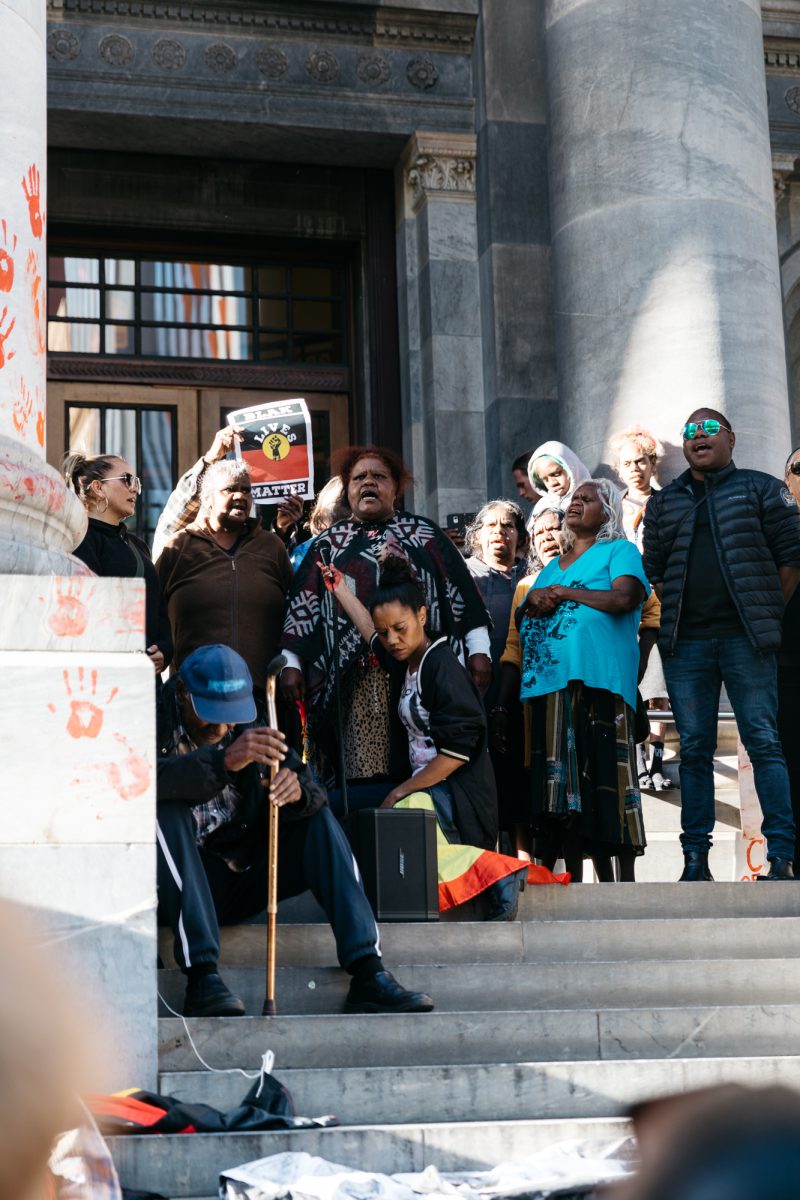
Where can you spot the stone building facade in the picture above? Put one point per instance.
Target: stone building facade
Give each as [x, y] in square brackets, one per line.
[458, 227]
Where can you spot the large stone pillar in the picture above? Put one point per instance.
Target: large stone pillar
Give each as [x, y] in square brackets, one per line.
[667, 288]
[440, 324]
[77, 771]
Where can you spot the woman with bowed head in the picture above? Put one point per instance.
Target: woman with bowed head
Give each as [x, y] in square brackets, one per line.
[580, 660]
[439, 758]
[373, 478]
[108, 488]
[637, 453]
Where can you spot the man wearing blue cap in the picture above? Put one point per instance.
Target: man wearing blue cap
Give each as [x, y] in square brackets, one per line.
[212, 824]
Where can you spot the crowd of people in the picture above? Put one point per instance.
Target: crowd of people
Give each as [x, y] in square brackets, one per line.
[504, 686]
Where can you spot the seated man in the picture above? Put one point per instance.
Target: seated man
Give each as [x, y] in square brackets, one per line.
[212, 838]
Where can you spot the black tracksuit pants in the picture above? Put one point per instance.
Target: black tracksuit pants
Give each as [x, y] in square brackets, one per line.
[198, 892]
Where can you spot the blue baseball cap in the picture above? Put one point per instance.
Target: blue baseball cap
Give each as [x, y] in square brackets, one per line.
[220, 686]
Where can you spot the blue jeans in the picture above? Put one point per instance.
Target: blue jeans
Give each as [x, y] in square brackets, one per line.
[694, 673]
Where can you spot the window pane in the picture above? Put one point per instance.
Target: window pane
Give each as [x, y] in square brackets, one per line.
[188, 309]
[63, 336]
[157, 468]
[120, 270]
[196, 343]
[119, 306]
[317, 347]
[121, 433]
[74, 270]
[211, 277]
[315, 281]
[84, 429]
[272, 279]
[315, 314]
[119, 339]
[273, 312]
[273, 347]
[73, 302]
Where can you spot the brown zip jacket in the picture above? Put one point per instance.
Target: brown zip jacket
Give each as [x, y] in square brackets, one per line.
[235, 599]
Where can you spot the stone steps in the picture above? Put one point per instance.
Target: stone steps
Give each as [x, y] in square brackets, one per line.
[488, 1092]
[579, 940]
[185, 1166]
[488, 987]
[336, 1041]
[545, 1028]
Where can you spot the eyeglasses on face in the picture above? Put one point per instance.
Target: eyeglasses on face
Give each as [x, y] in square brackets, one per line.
[691, 429]
[794, 468]
[133, 482]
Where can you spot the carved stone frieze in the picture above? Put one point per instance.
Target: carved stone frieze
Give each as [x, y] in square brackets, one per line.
[783, 165]
[373, 69]
[792, 99]
[63, 45]
[169, 54]
[448, 32]
[422, 74]
[116, 50]
[438, 167]
[272, 62]
[322, 66]
[220, 58]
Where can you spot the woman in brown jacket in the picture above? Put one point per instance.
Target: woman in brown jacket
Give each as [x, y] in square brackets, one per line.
[224, 577]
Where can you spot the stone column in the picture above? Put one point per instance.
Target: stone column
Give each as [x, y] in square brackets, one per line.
[667, 288]
[440, 324]
[77, 771]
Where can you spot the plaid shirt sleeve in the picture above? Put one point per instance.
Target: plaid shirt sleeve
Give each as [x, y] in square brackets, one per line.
[181, 508]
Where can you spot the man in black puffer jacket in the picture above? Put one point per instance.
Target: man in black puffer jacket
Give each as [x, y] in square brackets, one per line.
[722, 550]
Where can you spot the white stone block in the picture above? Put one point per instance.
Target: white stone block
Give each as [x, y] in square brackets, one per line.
[77, 613]
[83, 768]
[94, 907]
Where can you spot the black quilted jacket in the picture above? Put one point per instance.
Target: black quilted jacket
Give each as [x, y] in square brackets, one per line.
[756, 529]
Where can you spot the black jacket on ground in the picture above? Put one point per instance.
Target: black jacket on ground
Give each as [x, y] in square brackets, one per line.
[106, 550]
[458, 728]
[756, 529]
[200, 775]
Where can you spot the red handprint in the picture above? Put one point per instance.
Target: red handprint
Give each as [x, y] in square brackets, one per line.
[39, 341]
[70, 616]
[23, 407]
[131, 618]
[5, 355]
[40, 427]
[85, 716]
[132, 777]
[31, 189]
[6, 261]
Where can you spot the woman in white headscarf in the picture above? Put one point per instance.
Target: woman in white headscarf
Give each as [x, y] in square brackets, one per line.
[555, 469]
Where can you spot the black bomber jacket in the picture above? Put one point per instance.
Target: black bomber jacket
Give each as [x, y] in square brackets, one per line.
[755, 524]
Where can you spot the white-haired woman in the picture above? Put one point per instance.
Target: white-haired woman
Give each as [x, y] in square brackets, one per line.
[580, 660]
[224, 577]
[637, 453]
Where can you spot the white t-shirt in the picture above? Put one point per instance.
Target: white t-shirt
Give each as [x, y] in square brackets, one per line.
[417, 721]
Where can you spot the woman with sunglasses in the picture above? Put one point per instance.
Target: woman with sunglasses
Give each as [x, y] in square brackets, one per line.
[109, 490]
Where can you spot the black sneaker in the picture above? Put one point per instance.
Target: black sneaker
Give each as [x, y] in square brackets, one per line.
[779, 869]
[207, 996]
[381, 993]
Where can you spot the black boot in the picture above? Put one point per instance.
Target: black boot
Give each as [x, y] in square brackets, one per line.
[780, 869]
[695, 868]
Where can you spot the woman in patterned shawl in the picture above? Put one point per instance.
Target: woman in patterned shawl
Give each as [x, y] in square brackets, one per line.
[373, 478]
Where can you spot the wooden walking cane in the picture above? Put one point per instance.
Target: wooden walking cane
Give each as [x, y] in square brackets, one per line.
[269, 1010]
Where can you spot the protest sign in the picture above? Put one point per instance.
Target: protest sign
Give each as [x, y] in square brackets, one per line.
[276, 447]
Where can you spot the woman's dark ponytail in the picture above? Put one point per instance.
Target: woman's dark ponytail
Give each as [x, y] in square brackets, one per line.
[399, 583]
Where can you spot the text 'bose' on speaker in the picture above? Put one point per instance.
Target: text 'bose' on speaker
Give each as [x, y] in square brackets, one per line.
[395, 850]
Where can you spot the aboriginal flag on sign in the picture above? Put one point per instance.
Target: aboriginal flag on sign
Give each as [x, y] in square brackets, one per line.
[276, 446]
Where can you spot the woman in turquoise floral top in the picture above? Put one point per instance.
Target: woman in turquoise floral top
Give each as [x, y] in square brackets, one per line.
[580, 657]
